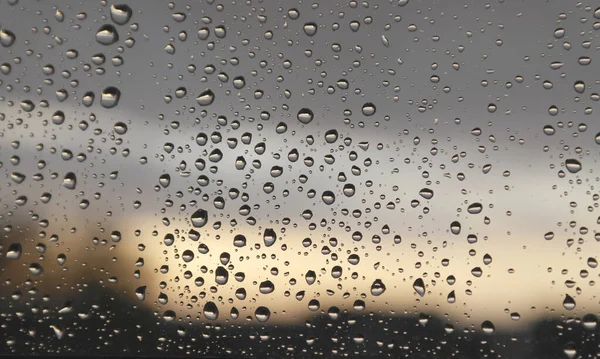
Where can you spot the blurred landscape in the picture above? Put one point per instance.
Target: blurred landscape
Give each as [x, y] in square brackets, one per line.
[409, 179]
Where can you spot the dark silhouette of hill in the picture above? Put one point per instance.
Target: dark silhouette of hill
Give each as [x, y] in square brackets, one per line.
[106, 324]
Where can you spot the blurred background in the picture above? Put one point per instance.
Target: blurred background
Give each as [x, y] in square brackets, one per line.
[403, 179]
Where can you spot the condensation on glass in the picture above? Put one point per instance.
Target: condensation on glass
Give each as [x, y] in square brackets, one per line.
[394, 179]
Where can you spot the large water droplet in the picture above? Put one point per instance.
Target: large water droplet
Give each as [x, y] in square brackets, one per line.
[569, 302]
[488, 327]
[328, 197]
[14, 251]
[120, 14]
[70, 181]
[305, 116]
[369, 109]
[210, 311]
[110, 97]
[269, 237]
[140, 293]
[455, 227]
[7, 38]
[573, 165]
[205, 98]
[377, 288]
[262, 314]
[419, 287]
[199, 218]
[107, 35]
[310, 28]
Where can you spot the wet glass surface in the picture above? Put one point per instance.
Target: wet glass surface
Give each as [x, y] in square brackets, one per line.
[403, 179]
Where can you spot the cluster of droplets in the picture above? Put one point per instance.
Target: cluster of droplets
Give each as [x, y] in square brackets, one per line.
[288, 171]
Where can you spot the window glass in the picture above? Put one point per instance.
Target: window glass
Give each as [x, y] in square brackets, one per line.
[402, 179]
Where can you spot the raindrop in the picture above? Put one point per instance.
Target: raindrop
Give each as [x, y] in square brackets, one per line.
[310, 28]
[579, 86]
[549, 130]
[7, 38]
[27, 105]
[305, 116]
[140, 293]
[210, 311]
[419, 287]
[573, 165]
[331, 136]
[199, 218]
[266, 287]
[187, 256]
[455, 227]
[120, 14]
[474, 208]
[488, 327]
[14, 251]
[369, 109]
[107, 35]
[569, 302]
[328, 197]
[269, 237]
[377, 288]
[205, 98]
[262, 314]
[70, 181]
[110, 97]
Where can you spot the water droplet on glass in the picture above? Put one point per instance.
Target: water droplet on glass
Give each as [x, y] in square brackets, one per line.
[419, 287]
[70, 181]
[488, 327]
[27, 105]
[14, 251]
[474, 208]
[7, 38]
[569, 302]
[120, 14]
[310, 28]
[210, 311]
[305, 116]
[262, 314]
[205, 98]
[187, 256]
[199, 218]
[269, 237]
[579, 86]
[573, 165]
[455, 227]
[369, 109]
[110, 97]
[107, 35]
[140, 293]
[377, 288]
[328, 197]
